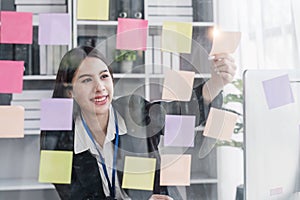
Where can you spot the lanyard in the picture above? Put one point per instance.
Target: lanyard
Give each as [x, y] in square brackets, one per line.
[112, 185]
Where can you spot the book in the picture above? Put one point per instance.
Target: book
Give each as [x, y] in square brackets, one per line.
[35, 52]
[137, 9]
[50, 60]
[40, 2]
[37, 8]
[43, 60]
[174, 11]
[161, 18]
[113, 12]
[23, 52]
[166, 60]
[94, 41]
[124, 8]
[169, 3]
[5, 99]
[149, 55]
[7, 5]
[203, 11]
[157, 65]
[32, 95]
[6, 52]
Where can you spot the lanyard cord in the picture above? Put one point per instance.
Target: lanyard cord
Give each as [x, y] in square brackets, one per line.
[112, 185]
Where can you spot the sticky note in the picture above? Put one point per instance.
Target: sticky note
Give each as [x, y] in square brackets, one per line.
[278, 91]
[225, 42]
[132, 34]
[175, 170]
[56, 114]
[92, 9]
[220, 124]
[55, 166]
[54, 29]
[12, 122]
[178, 85]
[11, 76]
[177, 37]
[179, 130]
[139, 173]
[16, 27]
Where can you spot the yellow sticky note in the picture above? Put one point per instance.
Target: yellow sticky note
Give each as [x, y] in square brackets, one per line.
[92, 9]
[177, 37]
[175, 170]
[220, 124]
[178, 85]
[12, 121]
[139, 173]
[55, 166]
[225, 42]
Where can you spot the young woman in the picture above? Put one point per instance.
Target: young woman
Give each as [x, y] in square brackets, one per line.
[105, 130]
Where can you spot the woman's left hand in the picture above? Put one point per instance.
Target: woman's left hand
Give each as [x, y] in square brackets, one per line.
[224, 69]
[223, 72]
[160, 197]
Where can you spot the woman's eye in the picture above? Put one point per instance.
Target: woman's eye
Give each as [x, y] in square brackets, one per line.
[104, 76]
[86, 80]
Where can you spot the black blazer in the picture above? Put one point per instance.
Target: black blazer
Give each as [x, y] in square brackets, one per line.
[145, 123]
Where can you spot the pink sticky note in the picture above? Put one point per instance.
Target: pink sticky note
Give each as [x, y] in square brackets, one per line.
[54, 29]
[175, 170]
[179, 130]
[56, 114]
[225, 42]
[16, 27]
[11, 76]
[12, 122]
[132, 34]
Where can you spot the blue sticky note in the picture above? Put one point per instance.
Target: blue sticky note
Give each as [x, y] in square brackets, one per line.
[54, 29]
[56, 114]
[179, 130]
[278, 91]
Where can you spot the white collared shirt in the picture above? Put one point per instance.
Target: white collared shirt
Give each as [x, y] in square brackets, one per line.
[82, 142]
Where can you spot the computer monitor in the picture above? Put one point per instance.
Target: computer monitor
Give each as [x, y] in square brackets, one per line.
[272, 138]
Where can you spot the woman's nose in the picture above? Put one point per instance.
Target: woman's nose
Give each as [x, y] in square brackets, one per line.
[100, 85]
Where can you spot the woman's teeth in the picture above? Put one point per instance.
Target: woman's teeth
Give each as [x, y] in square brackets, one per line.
[100, 99]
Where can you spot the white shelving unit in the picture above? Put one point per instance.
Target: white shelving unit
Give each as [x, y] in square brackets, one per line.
[18, 175]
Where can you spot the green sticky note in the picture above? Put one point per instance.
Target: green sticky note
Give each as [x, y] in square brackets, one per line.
[139, 173]
[55, 166]
[92, 9]
[177, 37]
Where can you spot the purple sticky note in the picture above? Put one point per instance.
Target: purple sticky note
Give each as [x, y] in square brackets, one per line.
[11, 76]
[56, 114]
[132, 34]
[179, 130]
[16, 27]
[278, 91]
[54, 29]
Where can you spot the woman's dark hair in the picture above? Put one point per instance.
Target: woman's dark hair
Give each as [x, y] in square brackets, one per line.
[69, 65]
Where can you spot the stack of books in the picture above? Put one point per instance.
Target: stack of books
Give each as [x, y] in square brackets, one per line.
[170, 10]
[30, 100]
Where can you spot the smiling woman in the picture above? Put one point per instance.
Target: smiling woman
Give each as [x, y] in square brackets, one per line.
[106, 130]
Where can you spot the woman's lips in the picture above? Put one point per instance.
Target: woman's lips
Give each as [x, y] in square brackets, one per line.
[100, 100]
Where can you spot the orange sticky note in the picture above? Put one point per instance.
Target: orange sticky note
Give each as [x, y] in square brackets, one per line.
[225, 42]
[11, 76]
[178, 85]
[56, 166]
[12, 122]
[220, 124]
[175, 170]
[16, 27]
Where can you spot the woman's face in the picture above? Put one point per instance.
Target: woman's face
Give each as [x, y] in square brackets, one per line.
[93, 86]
